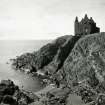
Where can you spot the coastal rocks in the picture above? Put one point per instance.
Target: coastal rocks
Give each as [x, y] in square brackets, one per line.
[9, 100]
[11, 94]
[87, 94]
[101, 99]
[56, 96]
[7, 87]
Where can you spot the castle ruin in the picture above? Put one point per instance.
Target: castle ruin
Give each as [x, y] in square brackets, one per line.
[85, 26]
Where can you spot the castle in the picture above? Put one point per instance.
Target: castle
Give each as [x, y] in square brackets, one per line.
[85, 26]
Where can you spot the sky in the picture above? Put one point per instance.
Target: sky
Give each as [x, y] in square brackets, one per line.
[46, 19]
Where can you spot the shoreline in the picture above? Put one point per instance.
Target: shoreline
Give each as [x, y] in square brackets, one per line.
[27, 81]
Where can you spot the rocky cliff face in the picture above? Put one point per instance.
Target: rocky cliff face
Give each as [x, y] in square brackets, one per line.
[71, 58]
[77, 62]
[42, 57]
[61, 55]
[86, 62]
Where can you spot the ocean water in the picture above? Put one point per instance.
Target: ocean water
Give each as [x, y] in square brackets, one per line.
[12, 48]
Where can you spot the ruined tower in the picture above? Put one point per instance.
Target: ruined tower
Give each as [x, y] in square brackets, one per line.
[85, 26]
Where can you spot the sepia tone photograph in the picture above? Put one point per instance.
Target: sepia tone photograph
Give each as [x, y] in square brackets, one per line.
[52, 52]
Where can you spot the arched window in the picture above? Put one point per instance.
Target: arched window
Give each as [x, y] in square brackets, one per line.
[86, 30]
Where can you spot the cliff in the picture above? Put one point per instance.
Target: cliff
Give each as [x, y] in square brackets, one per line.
[86, 62]
[76, 62]
[42, 57]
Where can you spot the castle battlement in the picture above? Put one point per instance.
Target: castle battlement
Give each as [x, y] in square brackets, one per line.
[85, 26]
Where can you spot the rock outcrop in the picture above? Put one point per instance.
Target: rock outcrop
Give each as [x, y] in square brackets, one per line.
[11, 94]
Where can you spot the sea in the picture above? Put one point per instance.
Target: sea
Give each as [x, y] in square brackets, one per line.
[9, 49]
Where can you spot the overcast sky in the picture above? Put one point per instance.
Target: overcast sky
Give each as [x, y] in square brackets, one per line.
[46, 19]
